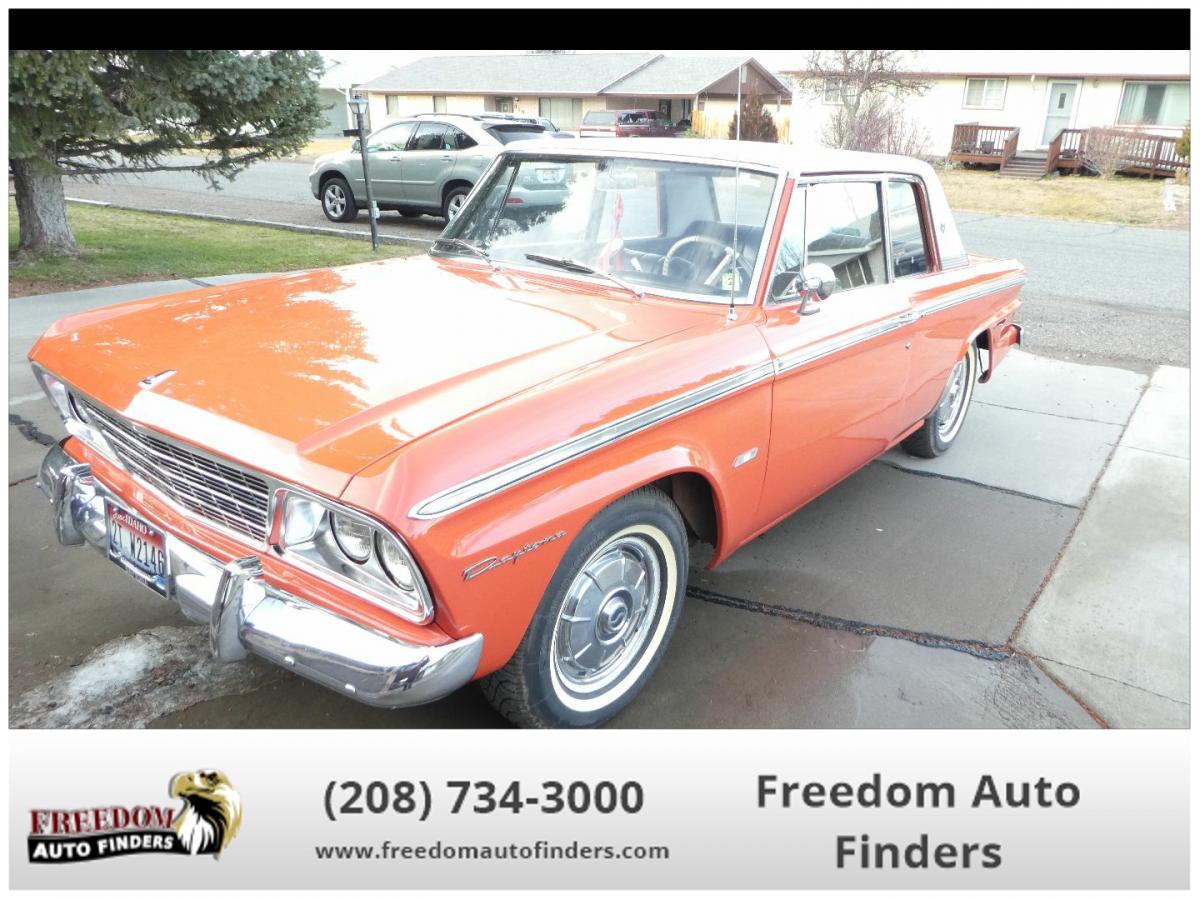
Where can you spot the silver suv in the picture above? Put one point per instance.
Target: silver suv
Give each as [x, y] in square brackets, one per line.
[424, 164]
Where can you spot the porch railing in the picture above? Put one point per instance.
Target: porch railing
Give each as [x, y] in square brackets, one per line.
[1064, 149]
[984, 143]
[1140, 153]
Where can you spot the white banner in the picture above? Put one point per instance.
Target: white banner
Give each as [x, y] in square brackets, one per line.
[669, 809]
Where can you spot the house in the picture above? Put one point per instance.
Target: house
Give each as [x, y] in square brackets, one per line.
[981, 104]
[566, 86]
[335, 87]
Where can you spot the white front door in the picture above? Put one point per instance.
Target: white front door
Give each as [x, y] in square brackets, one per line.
[1060, 109]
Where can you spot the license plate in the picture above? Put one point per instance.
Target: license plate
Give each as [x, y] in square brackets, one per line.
[550, 176]
[137, 548]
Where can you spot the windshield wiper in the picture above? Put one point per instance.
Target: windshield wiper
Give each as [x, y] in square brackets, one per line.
[469, 247]
[573, 265]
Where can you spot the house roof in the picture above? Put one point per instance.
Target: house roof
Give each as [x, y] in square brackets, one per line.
[531, 73]
[342, 74]
[686, 76]
[620, 74]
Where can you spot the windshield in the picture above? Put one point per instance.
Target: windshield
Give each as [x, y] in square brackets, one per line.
[598, 117]
[657, 226]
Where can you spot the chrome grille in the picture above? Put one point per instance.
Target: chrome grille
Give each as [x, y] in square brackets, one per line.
[220, 493]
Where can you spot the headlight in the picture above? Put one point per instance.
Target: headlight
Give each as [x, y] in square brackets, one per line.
[59, 396]
[347, 546]
[396, 564]
[74, 417]
[353, 538]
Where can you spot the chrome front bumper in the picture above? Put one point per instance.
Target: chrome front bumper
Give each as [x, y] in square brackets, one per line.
[247, 615]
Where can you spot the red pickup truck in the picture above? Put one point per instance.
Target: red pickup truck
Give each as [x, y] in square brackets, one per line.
[625, 123]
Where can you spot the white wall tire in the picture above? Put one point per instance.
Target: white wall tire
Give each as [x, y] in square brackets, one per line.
[945, 421]
[605, 619]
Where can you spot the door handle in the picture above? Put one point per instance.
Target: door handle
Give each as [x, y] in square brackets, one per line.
[447, 158]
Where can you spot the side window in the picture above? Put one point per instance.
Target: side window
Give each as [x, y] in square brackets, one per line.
[789, 259]
[458, 140]
[430, 136]
[390, 139]
[910, 256]
[843, 229]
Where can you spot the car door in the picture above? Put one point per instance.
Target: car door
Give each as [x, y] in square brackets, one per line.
[841, 363]
[427, 164]
[385, 149]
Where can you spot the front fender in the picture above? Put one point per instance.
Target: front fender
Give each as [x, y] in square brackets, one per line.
[547, 513]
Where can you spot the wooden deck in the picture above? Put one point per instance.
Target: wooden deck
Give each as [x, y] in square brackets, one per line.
[1152, 155]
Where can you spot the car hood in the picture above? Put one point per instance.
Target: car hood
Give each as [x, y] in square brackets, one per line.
[314, 376]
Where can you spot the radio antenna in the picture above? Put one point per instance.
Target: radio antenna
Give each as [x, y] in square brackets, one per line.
[737, 178]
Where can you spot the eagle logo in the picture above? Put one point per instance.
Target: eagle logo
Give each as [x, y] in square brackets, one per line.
[211, 813]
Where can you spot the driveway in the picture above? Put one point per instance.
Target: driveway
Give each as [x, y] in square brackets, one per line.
[895, 600]
[1097, 293]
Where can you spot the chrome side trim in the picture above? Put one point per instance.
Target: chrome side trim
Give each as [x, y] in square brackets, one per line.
[966, 295]
[497, 480]
[838, 343]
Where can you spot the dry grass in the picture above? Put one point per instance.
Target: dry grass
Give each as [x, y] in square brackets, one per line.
[1119, 200]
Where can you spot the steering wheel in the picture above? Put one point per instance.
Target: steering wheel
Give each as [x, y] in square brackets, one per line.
[730, 254]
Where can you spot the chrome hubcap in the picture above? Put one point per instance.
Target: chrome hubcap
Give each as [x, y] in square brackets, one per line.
[455, 204]
[335, 200]
[608, 615]
[949, 411]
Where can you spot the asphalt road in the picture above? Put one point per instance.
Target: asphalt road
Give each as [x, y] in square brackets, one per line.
[1097, 293]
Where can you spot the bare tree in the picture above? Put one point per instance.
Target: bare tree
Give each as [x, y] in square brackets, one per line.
[859, 80]
[1107, 150]
[881, 126]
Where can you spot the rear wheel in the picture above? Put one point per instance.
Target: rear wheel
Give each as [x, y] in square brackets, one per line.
[455, 198]
[337, 200]
[604, 622]
[943, 424]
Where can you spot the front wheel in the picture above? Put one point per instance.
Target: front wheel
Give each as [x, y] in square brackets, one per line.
[944, 423]
[337, 201]
[604, 622]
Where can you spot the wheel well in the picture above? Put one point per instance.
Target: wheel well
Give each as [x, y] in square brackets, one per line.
[694, 497]
[332, 173]
[983, 341]
[451, 185]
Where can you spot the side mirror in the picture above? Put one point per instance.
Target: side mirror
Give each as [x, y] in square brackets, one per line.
[818, 279]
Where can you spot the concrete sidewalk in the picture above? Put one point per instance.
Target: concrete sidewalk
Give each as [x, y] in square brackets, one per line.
[1113, 623]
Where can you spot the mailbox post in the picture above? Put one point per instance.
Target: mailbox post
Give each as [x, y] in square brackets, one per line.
[360, 110]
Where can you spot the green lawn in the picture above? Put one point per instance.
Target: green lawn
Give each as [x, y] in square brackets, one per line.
[119, 245]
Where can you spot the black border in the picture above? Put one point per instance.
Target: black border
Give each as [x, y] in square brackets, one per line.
[612, 27]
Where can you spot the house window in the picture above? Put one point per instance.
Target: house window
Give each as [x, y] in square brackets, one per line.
[439, 104]
[1162, 103]
[393, 105]
[504, 104]
[833, 91]
[685, 109]
[985, 93]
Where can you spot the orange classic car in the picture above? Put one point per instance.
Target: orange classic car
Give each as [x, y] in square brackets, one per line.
[491, 461]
